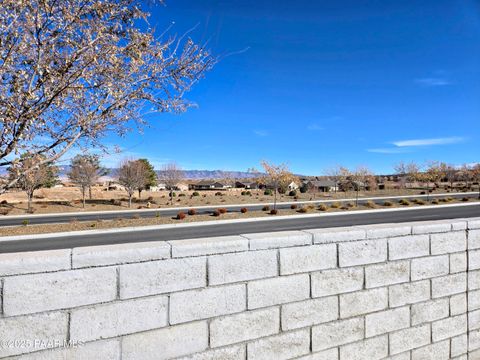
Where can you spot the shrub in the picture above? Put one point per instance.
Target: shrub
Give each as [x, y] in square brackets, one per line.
[387, 203]
[4, 211]
[222, 210]
[266, 208]
[218, 193]
[93, 225]
[335, 205]
[404, 202]
[243, 193]
[435, 202]
[322, 207]
[422, 192]
[268, 192]
[273, 212]
[136, 216]
[293, 206]
[25, 222]
[4, 202]
[216, 213]
[243, 210]
[370, 204]
[350, 205]
[172, 194]
[116, 202]
[292, 193]
[192, 212]
[249, 193]
[449, 199]
[182, 195]
[150, 198]
[181, 215]
[302, 210]
[295, 197]
[195, 193]
[157, 214]
[465, 199]
[419, 202]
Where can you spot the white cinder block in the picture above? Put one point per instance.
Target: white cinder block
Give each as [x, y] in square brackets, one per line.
[474, 340]
[387, 274]
[449, 327]
[406, 247]
[104, 350]
[432, 227]
[330, 354]
[279, 290]
[458, 304]
[335, 235]
[430, 311]
[332, 282]
[383, 231]
[167, 343]
[277, 240]
[459, 225]
[459, 345]
[244, 326]
[409, 293]
[307, 258]
[428, 267]
[236, 352]
[208, 246]
[163, 276]
[280, 347]
[449, 242]
[473, 300]
[474, 259]
[387, 321]
[370, 349]
[206, 303]
[34, 262]
[32, 332]
[409, 339]
[337, 333]
[362, 252]
[449, 285]
[436, 351]
[50, 291]
[250, 265]
[119, 254]
[118, 318]
[309, 312]
[458, 262]
[474, 224]
[474, 239]
[474, 320]
[474, 280]
[363, 302]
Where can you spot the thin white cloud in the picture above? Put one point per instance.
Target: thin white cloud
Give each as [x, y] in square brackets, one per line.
[429, 142]
[314, 127]
[433, 81]
[388, 150]
[261, 133]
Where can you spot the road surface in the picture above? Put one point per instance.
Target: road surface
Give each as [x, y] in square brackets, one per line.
[47, 242]
[16, 220]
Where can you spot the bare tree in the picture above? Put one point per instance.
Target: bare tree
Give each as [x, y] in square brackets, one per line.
[401, 169]
[132, 174]
[335, 173]
[172, 174]
[85, 172]
[359, 178]
[72, 70]
[277, 176]
[41, 175]
[476, 176]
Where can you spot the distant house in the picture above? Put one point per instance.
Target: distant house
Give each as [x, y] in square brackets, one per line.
[291, 186]
[181, 186]
[322, 185]
[158, 187]
[246, 185]
[209, 185]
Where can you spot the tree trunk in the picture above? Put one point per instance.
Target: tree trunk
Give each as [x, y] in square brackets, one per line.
[139, 193]
[83, 196]
[30, 197]
[90, 192]
[130, 200]
[171, 197]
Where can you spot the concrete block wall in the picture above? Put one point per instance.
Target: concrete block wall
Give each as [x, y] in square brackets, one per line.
[404, 291]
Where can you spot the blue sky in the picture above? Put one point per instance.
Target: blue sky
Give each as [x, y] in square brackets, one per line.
[319, 83]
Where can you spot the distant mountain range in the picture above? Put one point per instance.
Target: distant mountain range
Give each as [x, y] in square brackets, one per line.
[189, 174]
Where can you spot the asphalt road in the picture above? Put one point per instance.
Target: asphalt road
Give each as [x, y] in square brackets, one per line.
[166, 212]
[299, 223]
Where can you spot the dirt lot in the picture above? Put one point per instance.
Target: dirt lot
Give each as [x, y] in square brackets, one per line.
[139, 221]
[58, 200]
